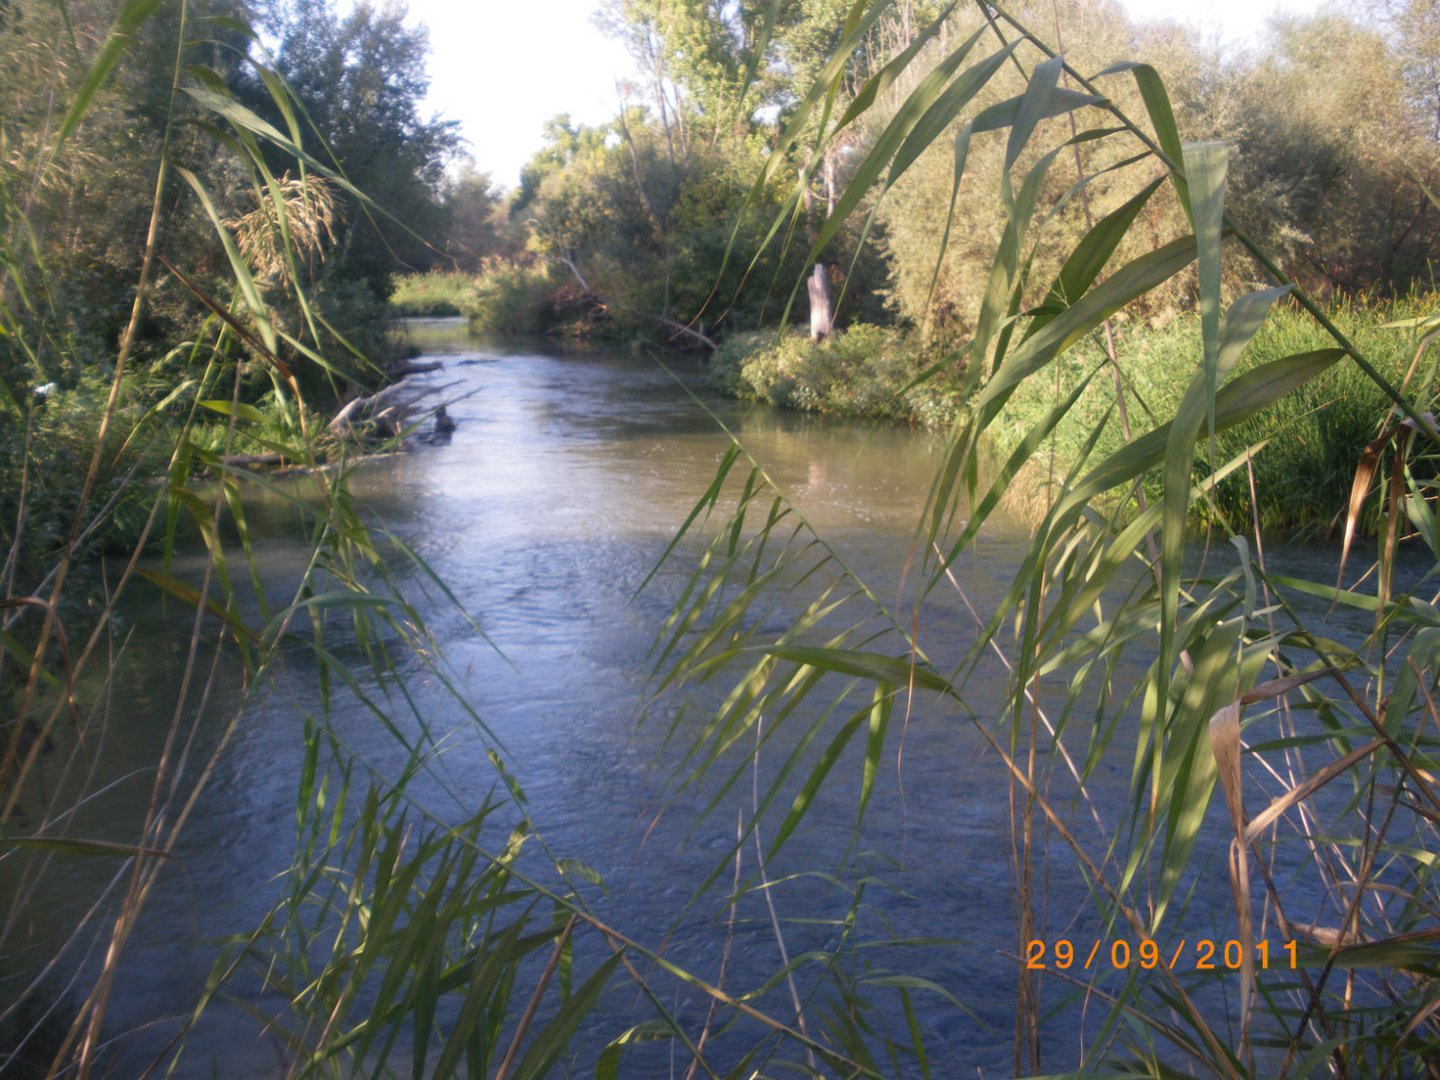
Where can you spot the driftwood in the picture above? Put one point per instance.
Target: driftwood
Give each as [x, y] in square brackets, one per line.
[387, 409]
[422, 368]
[251, 461]
[388, 412]
[689, 331]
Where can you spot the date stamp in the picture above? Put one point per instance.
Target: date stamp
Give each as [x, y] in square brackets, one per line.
[1203, 954]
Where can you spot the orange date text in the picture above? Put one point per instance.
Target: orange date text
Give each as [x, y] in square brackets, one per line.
[1202, 954]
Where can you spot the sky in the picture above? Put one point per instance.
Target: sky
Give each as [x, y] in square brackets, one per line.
[504, 67]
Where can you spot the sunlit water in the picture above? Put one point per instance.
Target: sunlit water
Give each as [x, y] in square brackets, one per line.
[568, 475]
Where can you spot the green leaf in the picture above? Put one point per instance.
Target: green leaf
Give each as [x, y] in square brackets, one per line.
[1089, 258]
[76, 846]
[239, 410]
[133, 15]
[1236, 402]
[1034, 105]
[894, 136]
[556, 1035]
[608, 1066]
[243, 278]
[938, 116]
[877, 667]
[1162, 118]
[1134, 279]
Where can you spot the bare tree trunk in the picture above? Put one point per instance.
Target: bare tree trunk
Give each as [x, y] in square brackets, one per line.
[822, 321]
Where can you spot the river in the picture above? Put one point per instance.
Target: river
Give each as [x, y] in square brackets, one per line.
[568, 475]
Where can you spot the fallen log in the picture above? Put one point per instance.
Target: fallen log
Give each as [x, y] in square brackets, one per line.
[250, 461]
[413, 368]
[688, 331]
[387, 408]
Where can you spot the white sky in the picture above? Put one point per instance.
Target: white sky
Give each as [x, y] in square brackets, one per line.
[504, 67]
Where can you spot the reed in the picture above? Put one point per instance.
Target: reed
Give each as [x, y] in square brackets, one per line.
[1322, 749]
[387, 916]
[400, 941]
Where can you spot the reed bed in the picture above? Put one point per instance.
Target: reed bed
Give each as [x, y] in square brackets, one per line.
[399, 941]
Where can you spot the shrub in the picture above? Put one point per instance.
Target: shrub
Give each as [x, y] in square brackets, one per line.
[862, 371]
[438, 293]
[509, 297]
[43, 467]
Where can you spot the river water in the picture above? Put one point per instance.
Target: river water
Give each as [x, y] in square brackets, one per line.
[568, 475]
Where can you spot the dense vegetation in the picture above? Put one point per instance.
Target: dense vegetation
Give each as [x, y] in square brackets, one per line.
[1330, 177]
[1075, 293]
[623, 229]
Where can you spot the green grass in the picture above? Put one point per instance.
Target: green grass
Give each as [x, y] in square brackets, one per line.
[508, 296]
[863, 371]
[438, 293]
[1309, 443]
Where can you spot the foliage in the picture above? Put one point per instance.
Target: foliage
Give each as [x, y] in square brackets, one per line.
[510, 297]
[1127, 649]
[1310, 443]
[1332, 173]
[360, 80]
[75, 233]
[1330, 181]
[861, 371]
[439, 292]
[58, 426]
[399, 939]
[642, 230]
[476, 224]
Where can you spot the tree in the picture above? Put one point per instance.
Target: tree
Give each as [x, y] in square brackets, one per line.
[361, 79]
[475, 219]
[1329, 171]
[73, 224]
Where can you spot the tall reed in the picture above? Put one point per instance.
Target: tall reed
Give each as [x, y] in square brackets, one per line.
[402, 942]
[1322, 748]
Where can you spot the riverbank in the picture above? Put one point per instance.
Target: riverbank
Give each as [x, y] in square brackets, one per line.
[1305, 448]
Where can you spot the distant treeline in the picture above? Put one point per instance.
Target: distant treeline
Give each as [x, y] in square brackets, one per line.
[1333, 124]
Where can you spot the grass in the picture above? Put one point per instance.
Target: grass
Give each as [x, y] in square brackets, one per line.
[1309, 444]
[862, 371]
[508, 296]
[434, 294]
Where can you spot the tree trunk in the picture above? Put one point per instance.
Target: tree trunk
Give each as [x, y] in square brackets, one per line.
[822, 320]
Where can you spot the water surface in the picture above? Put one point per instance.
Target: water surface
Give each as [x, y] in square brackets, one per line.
[568, 475]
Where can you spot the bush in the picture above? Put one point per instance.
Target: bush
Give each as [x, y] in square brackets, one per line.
[509, 297]
[42, 470]
[438, 293]
[862, 371]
